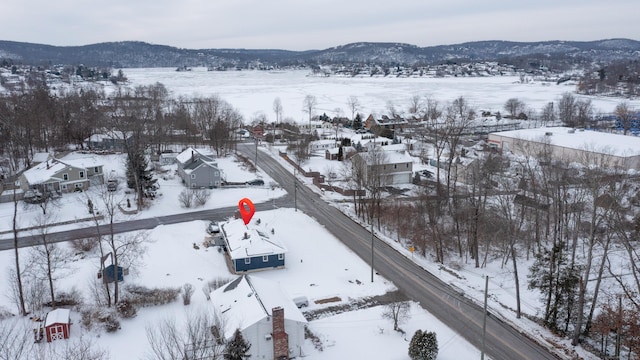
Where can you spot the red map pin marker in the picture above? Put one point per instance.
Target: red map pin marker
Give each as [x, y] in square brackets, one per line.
[247, 209]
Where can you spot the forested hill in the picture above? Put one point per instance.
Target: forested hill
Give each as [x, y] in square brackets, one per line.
[140, 54]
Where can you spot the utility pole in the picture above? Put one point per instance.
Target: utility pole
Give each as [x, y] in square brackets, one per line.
[256, 161]
[372, 249]
[484, 318]
[295, 190]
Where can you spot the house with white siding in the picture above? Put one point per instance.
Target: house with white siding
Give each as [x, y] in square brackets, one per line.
[266, 316]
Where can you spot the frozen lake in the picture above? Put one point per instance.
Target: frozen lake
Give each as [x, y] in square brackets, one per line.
[253, 92]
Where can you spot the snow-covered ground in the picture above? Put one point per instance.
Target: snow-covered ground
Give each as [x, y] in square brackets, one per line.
[311, 247]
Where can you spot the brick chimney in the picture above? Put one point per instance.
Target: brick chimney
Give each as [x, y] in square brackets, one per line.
[280, 337]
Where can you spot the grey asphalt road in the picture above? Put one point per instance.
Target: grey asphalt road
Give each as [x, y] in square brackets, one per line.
[140, 224]
[503, 342]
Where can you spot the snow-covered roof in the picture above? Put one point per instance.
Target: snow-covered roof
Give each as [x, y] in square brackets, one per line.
[250, 240]
[189, 152]
[345, 149]
[81, 160]
[249, 299]
[386, 157]
[614, 144]
[57, 316]
[44, 171]
[40, 157]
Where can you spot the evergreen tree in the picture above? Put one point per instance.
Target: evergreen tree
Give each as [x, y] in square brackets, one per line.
[340, 153]
[357, 123]
[139, 176]
[557, 280]
[237, 348]
[423, 346]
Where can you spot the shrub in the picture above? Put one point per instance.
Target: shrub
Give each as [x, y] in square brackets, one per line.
[143, 296]
[423, 346]
[186, 198]
[187, 292]
[201, 196]
[126, 309]
[85, 245]
[106, 317]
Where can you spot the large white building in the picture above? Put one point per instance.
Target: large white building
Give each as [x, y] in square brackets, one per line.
[572, 145]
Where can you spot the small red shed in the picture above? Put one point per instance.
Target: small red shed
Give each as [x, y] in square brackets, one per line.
[57, 324]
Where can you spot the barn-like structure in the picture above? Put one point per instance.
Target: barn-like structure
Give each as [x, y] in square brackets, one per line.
[57, 324]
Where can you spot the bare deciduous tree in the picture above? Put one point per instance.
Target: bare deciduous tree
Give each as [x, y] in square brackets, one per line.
[397, 312]
[354, 105]
[309, 106]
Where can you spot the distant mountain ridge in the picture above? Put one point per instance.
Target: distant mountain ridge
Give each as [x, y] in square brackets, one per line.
[129, 54]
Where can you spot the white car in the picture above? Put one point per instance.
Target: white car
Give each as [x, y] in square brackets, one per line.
[213, 228]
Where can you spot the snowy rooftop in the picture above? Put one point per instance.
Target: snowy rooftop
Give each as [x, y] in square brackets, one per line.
[247, 300]
[615, 144]
[57, 316]
[81, 160]
[43, 171]
[189, 152]
[250, 240]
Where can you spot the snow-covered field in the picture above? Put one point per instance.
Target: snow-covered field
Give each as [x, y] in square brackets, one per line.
[253, 92]
[171, 259]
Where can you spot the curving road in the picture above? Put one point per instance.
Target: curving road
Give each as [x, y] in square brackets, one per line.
[503, 342]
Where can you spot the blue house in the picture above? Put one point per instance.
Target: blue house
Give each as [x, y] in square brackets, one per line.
[252, 247]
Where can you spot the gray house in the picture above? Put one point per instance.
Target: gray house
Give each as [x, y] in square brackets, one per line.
[63, 175]
[198, 170]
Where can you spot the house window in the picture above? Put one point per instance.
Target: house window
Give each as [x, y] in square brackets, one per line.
[193, 176]
[265, 258]
[64, 186]
[280, 256]
[217, 173]
[407, 165]
[65, 177]
[78, 185]
[81, 174]
[247, 261]
[395, 166]
[96, 170]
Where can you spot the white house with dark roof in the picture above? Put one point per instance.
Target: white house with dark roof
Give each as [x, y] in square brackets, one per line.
[265, 315]
[252, 247]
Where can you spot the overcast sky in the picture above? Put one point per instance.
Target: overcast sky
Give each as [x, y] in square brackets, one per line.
[314, 24]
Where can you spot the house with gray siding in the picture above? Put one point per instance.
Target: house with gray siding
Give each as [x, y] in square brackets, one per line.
[63, 175]
[198, 169]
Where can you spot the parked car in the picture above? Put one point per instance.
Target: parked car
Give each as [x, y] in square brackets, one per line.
[256, 182]
[112, 185]
[301, 301]
[213, 228]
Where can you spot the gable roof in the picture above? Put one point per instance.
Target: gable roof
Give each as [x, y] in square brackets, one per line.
[244, 241]
[247, 300]
[57, 316]
[190, 152]
[44, 172]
